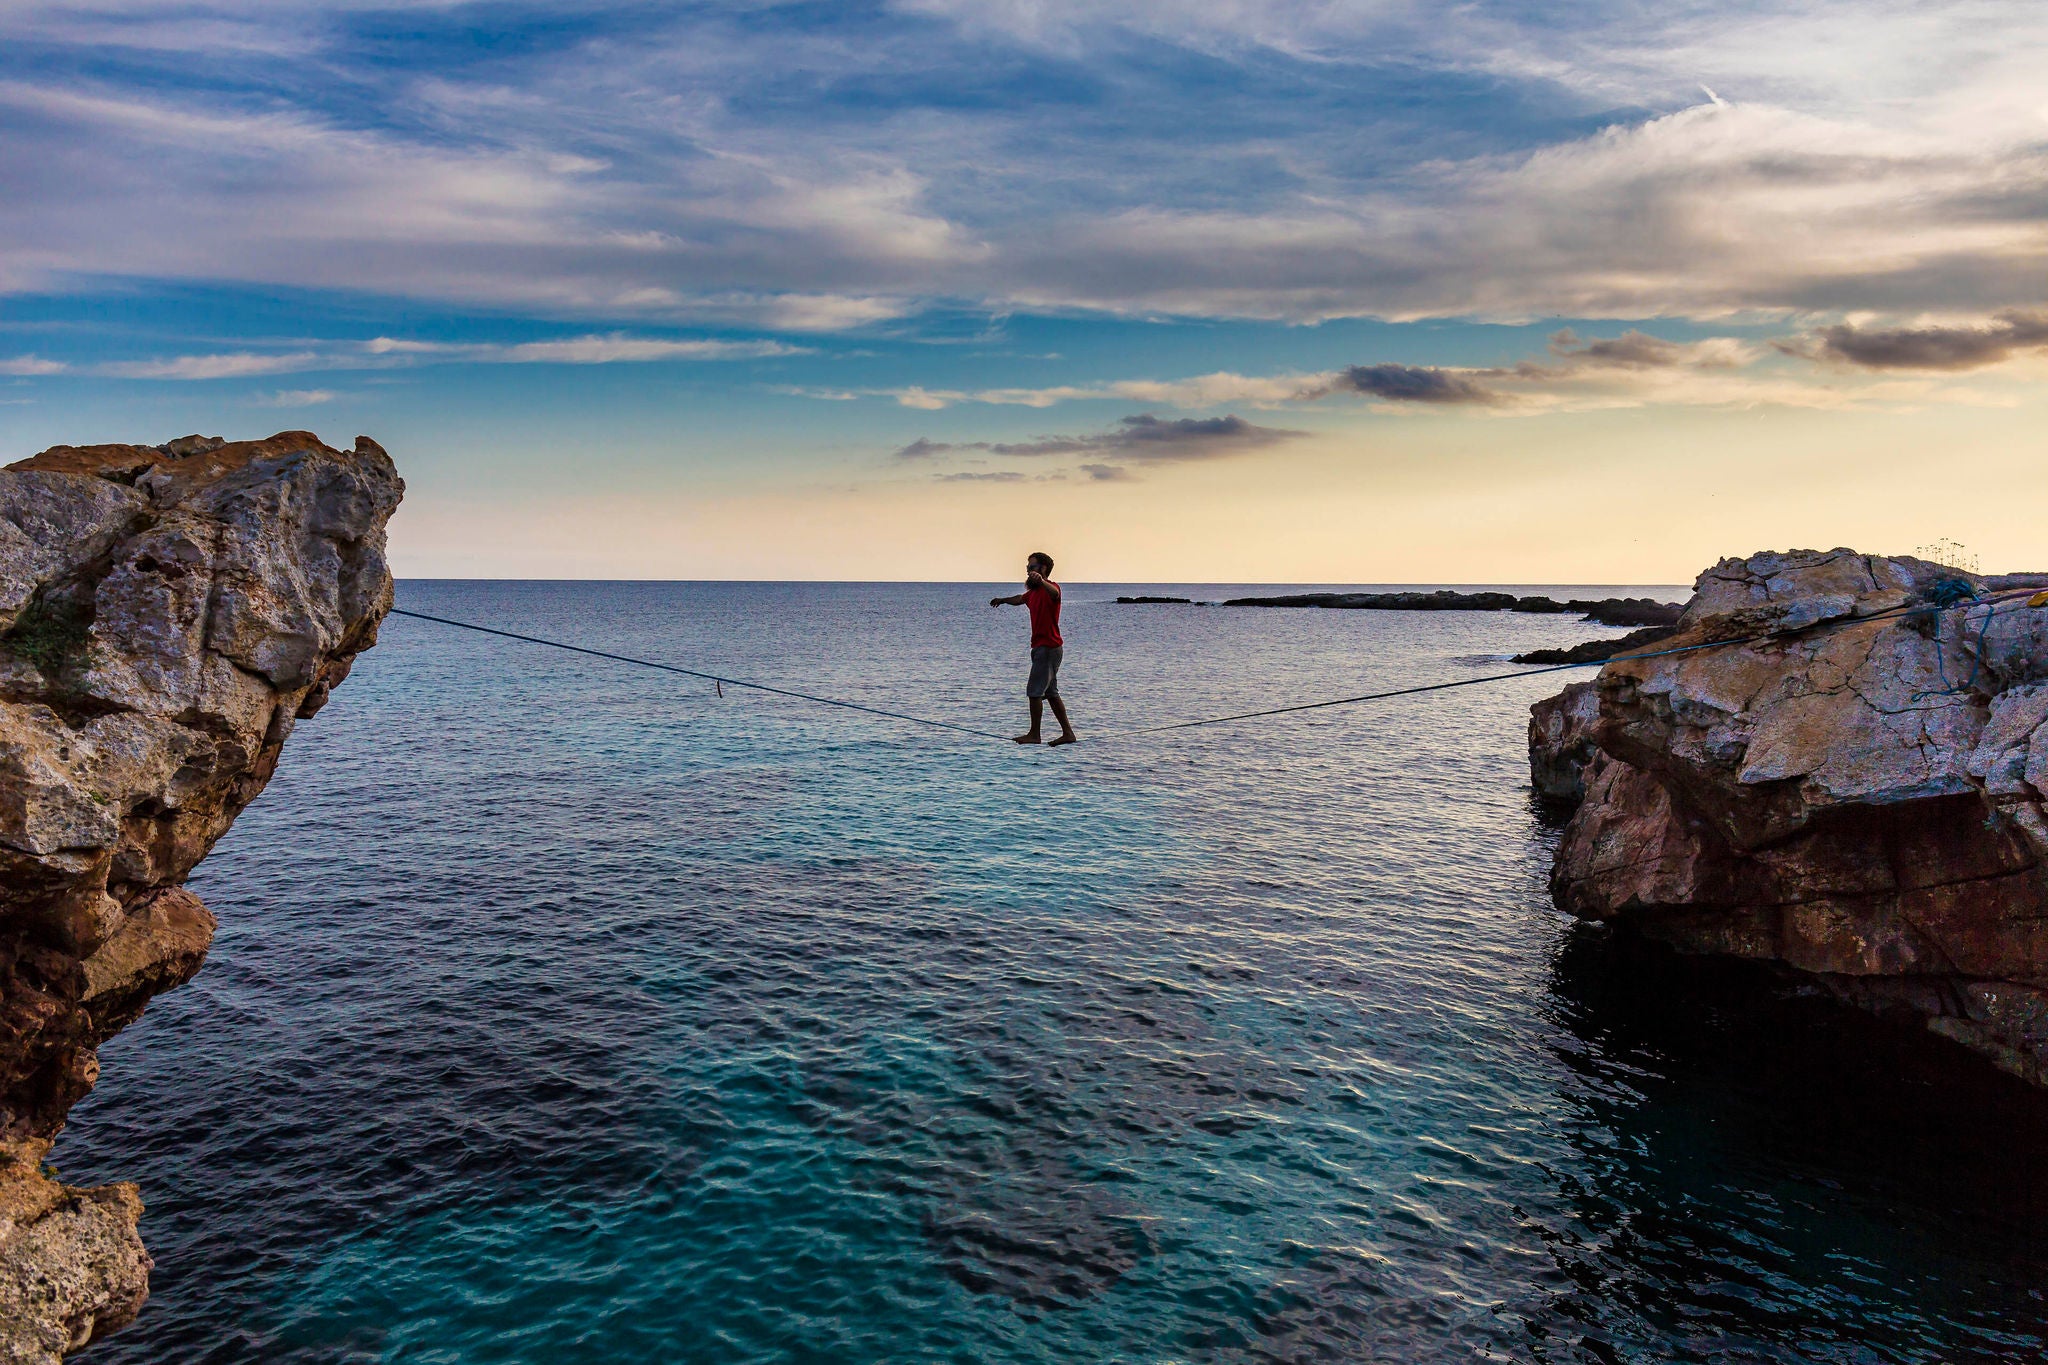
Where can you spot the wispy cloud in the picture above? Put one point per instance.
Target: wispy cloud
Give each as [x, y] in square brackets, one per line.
[27, 365]
[1573, 372]
[1201, 391]
[395, 352]
[585, 350]
[297, 398]
[1635, 350]
[1966, 347]
[1142, 439]
[234, 365]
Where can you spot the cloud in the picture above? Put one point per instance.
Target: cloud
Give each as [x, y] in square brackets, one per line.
[1635, 350]
[1926, 348]
[1107, 473]
[475, 211]
[1201, 391]
[915, 397]
[1144, 438]
[234, 365]
[1384, 160]
[997, 476]
[584, 350]
[22, 365]
[297, 398]
[389, 352]
[1629, 369]
[1713, 211]
[604, 350]
[810, 312]
[1411, 384]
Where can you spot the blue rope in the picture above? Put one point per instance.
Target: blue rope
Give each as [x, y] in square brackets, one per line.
[1940, 595]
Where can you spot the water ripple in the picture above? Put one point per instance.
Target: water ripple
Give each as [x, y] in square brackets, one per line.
[563, 1013]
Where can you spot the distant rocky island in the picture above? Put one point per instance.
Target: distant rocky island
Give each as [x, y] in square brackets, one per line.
[1861, 800]
[1656, 618]
[167, 615]
[1608, 611]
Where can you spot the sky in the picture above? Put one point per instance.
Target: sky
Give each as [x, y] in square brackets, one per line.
[1177, 290]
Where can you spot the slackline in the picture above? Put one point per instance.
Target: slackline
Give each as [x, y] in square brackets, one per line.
[707, 677]
[1835, 623]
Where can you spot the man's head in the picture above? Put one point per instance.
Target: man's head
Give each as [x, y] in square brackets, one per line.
[1039, 562]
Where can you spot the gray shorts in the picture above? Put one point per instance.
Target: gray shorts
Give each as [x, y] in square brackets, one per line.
[1045, 671]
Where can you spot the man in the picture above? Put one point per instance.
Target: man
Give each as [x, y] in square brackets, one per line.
[1041, 596]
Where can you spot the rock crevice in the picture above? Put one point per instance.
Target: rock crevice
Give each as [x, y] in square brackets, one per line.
[167, 614]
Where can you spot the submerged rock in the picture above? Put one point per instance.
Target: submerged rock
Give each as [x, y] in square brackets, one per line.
[167, 614]
[1859, 799]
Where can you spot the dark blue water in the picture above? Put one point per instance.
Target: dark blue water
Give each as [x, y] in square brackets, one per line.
[566, 1012]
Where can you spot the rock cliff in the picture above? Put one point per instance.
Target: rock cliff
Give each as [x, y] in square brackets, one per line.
[1859, 797]
[167, 614]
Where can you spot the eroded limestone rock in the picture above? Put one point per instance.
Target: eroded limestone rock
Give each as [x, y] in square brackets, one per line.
[167, 614]
[1861, 799]
[1561, 741]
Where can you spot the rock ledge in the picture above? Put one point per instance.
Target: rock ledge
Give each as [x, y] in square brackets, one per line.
[1861, 800]
[167, 615]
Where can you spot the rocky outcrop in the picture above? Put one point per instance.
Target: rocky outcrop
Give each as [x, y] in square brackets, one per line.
[167, 615]
[1859, 796]
[1561, 742]
[1593, 651]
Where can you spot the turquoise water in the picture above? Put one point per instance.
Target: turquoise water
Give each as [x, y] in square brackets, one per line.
[567, 1012]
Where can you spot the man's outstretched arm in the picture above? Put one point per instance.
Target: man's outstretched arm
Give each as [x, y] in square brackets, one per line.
[1016, 601]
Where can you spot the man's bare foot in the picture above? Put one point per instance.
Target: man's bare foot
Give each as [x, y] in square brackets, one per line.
[1031, 738]
[1068, 738]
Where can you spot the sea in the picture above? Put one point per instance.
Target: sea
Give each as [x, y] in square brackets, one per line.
[566, 1011]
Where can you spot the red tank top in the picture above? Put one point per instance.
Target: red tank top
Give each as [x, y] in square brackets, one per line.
[1045, 616]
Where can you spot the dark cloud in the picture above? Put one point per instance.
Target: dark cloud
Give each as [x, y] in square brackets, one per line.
[1572, 357]
[998, 476]
[1146, 438]
[1107, 473]
[1925, 348]
[1045, 445]
[1410, 384]
[1632, 350]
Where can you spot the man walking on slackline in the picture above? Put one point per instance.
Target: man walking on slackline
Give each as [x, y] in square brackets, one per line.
[1042, 597]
